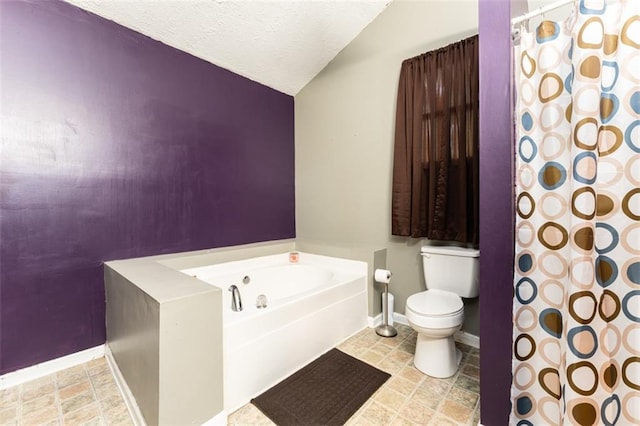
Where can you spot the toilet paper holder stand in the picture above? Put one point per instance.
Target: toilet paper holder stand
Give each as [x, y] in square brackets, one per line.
[384, 329]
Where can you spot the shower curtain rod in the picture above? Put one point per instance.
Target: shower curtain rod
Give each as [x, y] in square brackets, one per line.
[540, 11]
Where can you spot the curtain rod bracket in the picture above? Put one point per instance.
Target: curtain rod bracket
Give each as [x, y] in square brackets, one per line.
[516, 32]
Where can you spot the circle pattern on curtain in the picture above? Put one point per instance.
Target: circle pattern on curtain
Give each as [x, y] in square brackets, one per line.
[576, 341]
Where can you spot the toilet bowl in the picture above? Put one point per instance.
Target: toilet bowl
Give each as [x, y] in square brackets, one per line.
[436, 315]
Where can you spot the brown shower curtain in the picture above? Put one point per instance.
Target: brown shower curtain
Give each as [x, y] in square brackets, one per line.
[435, 165]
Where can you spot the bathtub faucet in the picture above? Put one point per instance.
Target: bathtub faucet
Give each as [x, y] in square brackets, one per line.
[236, 301]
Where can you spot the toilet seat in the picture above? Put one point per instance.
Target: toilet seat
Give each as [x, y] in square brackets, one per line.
[435, 309]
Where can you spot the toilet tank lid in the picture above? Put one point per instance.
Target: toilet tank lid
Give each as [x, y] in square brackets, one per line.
[451, 251]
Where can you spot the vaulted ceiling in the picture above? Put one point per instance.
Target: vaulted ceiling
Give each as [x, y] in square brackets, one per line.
[282, 44]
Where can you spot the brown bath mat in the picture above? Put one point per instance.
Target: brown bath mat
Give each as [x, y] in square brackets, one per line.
[327, 391]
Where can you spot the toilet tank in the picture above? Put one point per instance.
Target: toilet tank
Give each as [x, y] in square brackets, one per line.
[453, 269]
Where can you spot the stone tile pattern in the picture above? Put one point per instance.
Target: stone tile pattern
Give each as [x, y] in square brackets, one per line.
[87, 394]
[82, 395]
[409, 397]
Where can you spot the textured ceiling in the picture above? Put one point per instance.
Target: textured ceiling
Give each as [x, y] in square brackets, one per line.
[282, 44]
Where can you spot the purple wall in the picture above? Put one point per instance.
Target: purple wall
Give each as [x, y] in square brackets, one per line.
[496, 205]
[117, 146]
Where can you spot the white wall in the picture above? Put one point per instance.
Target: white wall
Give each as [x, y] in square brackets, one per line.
[344, 127]
[555, 15]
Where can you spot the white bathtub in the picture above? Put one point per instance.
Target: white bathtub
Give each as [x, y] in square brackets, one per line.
[312, 306]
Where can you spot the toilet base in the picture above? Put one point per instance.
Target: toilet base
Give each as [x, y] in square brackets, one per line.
[437, 357]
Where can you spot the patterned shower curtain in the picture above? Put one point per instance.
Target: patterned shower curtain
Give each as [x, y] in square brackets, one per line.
[576, 315]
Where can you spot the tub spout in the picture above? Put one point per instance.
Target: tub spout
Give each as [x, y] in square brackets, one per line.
[236, 300]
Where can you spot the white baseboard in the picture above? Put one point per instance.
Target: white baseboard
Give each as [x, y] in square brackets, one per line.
[373, 322]
[49, 367]
[467, 339]
[460, 336]
[127, 396]
[400, 319]
[219, 419]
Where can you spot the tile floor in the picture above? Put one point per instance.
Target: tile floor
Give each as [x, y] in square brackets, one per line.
[408, 397]
[81, 395]
[87, 394]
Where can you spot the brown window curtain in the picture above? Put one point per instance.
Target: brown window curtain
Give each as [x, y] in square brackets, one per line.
[435, 165]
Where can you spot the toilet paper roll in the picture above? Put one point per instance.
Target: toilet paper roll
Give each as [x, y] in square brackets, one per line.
[382, 276]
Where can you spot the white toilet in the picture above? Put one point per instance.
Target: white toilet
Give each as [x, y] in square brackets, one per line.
[437, 313]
